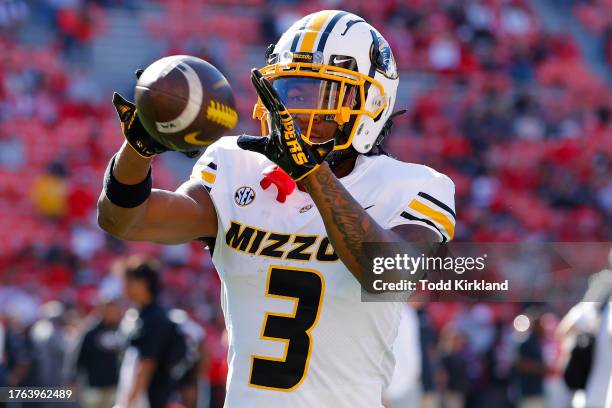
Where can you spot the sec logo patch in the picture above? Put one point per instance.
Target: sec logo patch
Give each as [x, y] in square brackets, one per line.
[244, 196]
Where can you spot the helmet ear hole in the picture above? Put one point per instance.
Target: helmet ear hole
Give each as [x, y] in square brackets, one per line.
[379, 102]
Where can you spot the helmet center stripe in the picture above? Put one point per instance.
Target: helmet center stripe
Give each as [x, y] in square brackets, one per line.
[312, 31]
[296, 38]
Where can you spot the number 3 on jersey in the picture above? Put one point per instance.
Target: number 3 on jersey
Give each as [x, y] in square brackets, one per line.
[305, 287]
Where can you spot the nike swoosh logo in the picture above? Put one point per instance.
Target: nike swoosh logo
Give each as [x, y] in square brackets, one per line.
[191, 138]
[369, 207]
[340, 61]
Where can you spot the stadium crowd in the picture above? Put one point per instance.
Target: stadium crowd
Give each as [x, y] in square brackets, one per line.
[512, 113]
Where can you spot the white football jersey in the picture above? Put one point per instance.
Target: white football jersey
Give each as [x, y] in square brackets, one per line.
[299, 334]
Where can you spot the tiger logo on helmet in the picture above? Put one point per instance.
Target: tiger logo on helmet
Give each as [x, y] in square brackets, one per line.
[334, 67]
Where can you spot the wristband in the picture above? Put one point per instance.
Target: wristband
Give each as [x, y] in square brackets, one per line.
[126, 195]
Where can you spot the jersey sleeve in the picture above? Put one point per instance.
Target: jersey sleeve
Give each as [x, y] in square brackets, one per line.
[432, 207]
[205, 170]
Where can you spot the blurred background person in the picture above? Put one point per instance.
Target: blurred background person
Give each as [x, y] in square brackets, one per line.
[97, 363]
[50, 346]
[428, 340]
[531, 368]
[3, 368]
[54, 337]
[189, 382]
[50, 192]
[405, 389]
[217, 345]
[591, 321]
[145, 379]
[19, 349]
[499, 359]
[454, 378]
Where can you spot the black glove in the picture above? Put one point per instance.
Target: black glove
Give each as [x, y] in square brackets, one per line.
[134, 132]
[132, 129]
[284, 146]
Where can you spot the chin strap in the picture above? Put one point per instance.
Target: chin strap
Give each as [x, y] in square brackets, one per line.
[336, 157]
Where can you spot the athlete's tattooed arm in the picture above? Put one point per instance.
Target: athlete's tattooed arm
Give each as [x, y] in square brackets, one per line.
[349, 226]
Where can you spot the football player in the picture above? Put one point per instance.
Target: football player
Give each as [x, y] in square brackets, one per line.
[299, 333]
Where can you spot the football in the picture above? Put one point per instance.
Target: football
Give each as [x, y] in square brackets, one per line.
[185, 103]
